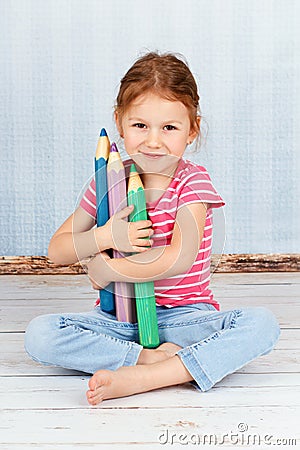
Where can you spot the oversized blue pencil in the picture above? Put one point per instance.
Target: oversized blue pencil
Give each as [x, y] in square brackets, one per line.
[117, 200]
[106, 295]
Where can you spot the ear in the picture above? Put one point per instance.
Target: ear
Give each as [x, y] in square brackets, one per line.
[118, 125]
[194, 132]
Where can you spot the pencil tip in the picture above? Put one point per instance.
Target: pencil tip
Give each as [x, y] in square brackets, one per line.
[103, 132]
[132, 168]
[113, 147]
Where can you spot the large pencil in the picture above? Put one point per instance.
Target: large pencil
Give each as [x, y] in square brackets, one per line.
[144, 292]
[117, 200]
[102, 152]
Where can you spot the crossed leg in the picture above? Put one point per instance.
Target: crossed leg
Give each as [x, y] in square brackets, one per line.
[143, 377]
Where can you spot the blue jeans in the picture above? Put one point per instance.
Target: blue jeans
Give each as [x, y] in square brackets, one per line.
[214, 344]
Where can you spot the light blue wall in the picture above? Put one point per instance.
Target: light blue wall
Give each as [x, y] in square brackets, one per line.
[60, 66]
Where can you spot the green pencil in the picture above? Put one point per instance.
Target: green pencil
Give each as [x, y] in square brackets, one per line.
[144, 292]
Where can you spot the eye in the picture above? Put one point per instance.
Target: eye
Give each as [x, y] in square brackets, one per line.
[139, 125]
[170, 127]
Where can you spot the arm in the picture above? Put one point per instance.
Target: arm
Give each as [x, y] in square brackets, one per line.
[157, 263]
[77, 238]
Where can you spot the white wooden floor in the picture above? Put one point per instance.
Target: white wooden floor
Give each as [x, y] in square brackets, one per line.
[45, 408]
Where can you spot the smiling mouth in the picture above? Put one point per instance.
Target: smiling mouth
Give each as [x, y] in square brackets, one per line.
[153, 155]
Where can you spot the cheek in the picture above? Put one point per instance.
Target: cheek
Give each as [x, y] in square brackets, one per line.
[179, 146]
[129, 144]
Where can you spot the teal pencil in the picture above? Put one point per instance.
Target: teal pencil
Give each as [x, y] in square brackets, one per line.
[116, 184]
[144, 292]
[107, 303]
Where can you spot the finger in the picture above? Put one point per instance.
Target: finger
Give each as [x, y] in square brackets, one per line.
[137, 249]
[144, 233]
[143, 243]
[124, 212]
[140, 224]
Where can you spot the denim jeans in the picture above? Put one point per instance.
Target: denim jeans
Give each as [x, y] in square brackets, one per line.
[214, 343]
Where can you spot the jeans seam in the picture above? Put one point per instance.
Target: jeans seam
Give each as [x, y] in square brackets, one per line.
[92, 332]
[188, 323]
[236, 314]
[37, 359]
[121, 325]
[193, 366]
[129, 360]
[205, 382]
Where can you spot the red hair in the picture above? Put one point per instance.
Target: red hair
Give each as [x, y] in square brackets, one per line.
[165, 75]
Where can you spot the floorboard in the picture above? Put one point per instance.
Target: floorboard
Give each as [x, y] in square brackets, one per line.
[45, 407]
[150, 425]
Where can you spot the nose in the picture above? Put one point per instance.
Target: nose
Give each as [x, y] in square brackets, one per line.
[153, 140]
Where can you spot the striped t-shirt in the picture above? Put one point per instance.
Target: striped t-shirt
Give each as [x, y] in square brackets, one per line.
[191, 183]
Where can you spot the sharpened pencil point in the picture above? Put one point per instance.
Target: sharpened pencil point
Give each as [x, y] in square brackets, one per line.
[103, 132]
[113, 147]
[132, 168]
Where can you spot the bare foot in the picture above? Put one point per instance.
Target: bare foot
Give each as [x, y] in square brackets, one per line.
[161, 353]
[122, 382]
[129, 380]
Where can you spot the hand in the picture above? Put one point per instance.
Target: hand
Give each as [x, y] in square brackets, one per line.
[97, 270]
[129, 237]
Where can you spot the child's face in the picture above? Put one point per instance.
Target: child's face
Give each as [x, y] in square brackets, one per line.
[156, 132]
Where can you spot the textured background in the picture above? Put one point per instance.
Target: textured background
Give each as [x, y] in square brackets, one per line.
[60, 66]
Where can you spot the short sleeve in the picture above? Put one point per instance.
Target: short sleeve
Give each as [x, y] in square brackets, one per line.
[88, 201]
[196, 187]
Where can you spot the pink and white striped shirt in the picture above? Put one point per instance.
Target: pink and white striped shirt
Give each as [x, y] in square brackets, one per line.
[191, 184]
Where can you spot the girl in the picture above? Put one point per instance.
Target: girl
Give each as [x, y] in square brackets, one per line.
[157, 115]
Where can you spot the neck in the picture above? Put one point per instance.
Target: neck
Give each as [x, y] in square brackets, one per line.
[153, 180]
[155, 184]
[157, 179]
